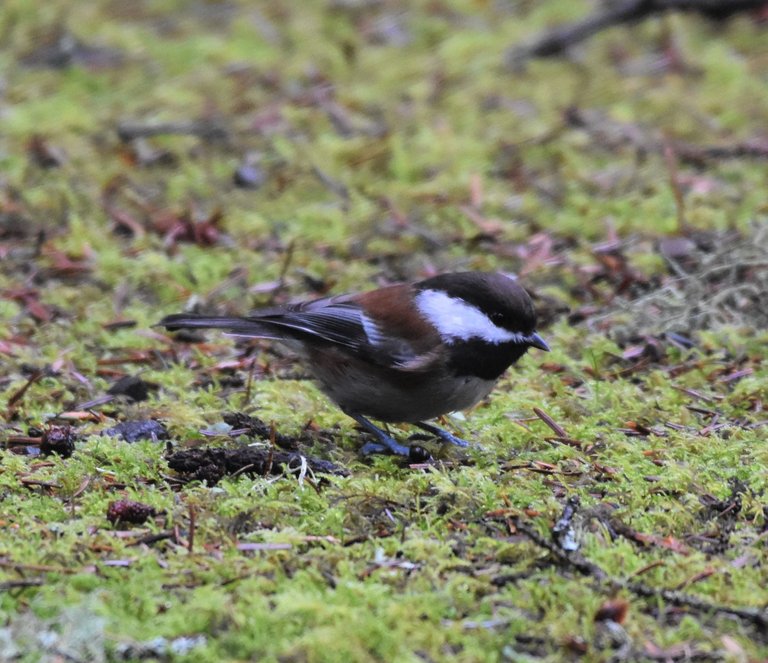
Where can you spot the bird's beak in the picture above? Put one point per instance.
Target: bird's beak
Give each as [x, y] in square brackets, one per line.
[535, 341]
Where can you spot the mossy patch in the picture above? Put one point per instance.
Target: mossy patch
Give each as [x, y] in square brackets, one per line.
[392, 143]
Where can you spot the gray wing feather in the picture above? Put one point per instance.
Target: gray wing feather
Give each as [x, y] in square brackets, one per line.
[335, 320]
[340, 324]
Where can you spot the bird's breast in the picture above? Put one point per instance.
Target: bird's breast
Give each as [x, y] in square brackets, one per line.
[395, 396]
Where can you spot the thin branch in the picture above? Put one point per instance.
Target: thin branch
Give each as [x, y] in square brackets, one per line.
[561, 38]
[756, 616]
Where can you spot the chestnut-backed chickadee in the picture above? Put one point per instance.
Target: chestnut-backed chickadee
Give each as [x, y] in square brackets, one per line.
[403, 353]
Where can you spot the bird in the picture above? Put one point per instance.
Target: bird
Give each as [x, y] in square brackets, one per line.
[402, 353]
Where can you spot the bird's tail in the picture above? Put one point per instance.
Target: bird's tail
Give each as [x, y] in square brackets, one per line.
[240, 326]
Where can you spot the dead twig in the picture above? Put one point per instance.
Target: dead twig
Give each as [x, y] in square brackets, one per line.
[557, 41]
[756, 616]
[19, 584]
[149, 539]
[556, 428]
[613, 134]
[192, 528]
[205, 129]
[670, 159]
[16, 397]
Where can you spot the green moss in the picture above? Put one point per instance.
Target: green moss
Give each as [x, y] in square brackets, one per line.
[390, 563]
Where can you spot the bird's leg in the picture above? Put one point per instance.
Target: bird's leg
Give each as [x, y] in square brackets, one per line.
[385, 442]
[444, 435]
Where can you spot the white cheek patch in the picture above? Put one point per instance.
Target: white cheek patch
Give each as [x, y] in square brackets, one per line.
[458, 320]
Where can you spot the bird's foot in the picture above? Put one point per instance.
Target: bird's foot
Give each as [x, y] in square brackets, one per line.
[384, 443]
[444, 435]
[387, 444]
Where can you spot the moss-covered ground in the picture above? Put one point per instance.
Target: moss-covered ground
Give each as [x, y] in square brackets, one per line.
[160, 155]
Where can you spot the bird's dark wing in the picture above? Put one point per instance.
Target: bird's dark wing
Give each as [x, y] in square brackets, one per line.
[337, 321]
[321, 320]
[342, 322]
